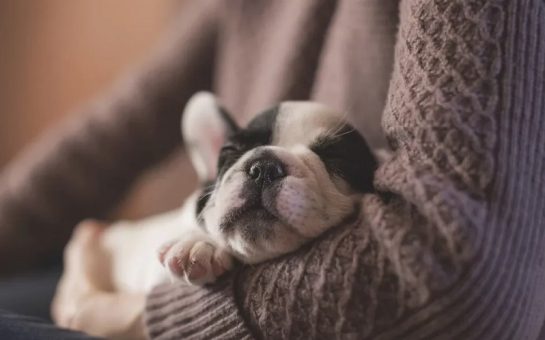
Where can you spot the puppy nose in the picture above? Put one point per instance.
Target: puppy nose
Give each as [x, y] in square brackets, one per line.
[266, 171]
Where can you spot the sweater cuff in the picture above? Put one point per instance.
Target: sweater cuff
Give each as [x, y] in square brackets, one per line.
[178, 311]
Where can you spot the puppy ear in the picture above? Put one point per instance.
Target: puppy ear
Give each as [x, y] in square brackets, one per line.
[205, 128]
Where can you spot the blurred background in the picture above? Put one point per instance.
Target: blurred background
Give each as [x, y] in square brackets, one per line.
[57, 55]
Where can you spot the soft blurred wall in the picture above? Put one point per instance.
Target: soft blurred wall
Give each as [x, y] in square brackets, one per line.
[56, 55]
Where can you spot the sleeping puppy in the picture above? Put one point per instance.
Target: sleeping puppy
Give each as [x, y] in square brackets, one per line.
[292, 173]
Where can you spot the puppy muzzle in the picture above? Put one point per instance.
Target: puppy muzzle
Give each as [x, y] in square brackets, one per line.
[264, 173]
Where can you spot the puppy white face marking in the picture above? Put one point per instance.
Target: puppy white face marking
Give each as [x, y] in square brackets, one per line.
[292, 173]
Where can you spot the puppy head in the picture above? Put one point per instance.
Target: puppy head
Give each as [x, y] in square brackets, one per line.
[293, 172]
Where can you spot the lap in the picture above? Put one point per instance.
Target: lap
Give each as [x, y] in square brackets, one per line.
[20, 327]
[30, 293]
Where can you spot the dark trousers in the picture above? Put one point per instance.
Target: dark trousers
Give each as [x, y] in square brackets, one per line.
[30, 293]
[20, 327]
[24, 307]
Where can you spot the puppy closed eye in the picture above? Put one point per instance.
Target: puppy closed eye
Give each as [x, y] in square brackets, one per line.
[229, 148]
[229, 153]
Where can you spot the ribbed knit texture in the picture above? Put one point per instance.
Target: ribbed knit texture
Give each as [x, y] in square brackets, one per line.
[221, 318]
[452, 246]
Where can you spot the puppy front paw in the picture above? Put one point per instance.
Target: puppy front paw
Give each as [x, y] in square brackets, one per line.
[195, 262]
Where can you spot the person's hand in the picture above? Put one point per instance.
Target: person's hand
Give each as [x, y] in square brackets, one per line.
[84, 300]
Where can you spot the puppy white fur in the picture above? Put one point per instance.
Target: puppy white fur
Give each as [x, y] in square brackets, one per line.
[295, 171]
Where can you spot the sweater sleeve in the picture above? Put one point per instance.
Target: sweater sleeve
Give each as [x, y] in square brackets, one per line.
[451, 246]
[74, 171]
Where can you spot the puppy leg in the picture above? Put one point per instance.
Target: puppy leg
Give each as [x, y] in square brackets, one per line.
[195, 260]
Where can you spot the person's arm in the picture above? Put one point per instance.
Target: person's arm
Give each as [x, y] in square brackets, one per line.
[83, 168]
[450, 247]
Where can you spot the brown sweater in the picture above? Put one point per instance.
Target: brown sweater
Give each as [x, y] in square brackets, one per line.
[452, 247]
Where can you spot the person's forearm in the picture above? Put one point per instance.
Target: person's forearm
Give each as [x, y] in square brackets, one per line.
[83, 168]
[442, 253]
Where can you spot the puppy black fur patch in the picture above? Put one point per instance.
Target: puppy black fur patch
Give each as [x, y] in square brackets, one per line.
[259, 132]
[347, 155]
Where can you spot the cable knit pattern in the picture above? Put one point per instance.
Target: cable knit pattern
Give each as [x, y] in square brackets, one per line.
[451, 245]
[435, 254]
[440, 121]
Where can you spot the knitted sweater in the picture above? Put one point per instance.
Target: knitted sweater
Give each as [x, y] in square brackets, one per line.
[452, 245]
